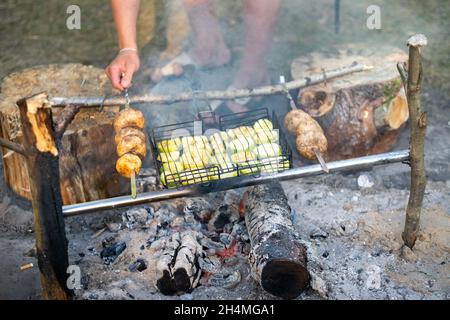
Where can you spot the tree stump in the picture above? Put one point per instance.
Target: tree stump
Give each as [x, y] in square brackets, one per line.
[87, 159]
[361, 113]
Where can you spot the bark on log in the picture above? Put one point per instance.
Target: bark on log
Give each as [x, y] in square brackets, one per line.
[277, 258]
[360, 113]
[87, 159]
[178, 270]
[418, 130]
[42, 162]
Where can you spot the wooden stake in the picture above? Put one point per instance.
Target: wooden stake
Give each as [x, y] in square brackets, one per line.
[418, 128]
[43, 168]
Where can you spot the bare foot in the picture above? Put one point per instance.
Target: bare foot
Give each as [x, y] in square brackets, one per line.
[249, 76]
[208, 47]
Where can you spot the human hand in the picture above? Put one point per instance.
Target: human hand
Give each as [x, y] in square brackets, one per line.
[120, 71]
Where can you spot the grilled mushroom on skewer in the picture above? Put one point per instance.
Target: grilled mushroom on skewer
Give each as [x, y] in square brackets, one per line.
[130, 141]
[311, 142]
[129, 118]
[132, 144]
[128, 164]
[129, 131]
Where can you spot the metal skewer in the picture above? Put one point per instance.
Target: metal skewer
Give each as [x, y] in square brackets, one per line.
[233, 183]
[133, 174]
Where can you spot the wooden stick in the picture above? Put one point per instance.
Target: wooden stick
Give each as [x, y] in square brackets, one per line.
[321, 160]
[43, 168]
[12, 146]
[210, 95]
[418, 129]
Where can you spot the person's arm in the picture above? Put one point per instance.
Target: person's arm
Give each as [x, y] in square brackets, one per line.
[127, 61]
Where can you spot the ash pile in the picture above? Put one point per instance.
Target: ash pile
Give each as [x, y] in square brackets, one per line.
[223, 240]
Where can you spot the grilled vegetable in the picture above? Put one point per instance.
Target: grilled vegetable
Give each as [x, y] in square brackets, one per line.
[129, 118]
[173, 167]
[169, 156]
[195, 160]
[267, 150]
[168, 179]
[267, 137]
[128, 164]
[132, 144]
[129, 131]
[308, 142]
[263, 125]
[241, 143]
[274, 164]
[169, 145]
[241, 132]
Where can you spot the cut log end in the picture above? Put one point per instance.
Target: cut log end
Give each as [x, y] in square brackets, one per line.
[284, 278]
[317, 101]
[174, 284]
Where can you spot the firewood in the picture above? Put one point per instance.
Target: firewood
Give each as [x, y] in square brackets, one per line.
[178, 270]
[277, 258]
[360, 113]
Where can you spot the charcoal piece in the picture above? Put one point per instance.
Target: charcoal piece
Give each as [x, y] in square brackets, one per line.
[220, 218]
[226, 239]
[139, 265]
[227, 280]
[108, 241]
[110, 254]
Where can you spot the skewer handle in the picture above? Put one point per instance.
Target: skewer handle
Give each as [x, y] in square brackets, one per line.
[133, 185]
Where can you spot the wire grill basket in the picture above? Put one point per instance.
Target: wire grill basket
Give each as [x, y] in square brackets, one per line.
[204, 150]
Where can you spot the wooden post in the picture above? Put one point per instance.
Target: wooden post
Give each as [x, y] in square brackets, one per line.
[418, 128]
[43, 168]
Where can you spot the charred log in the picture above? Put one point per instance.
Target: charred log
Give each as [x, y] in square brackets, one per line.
[277, 258]
[178, 270]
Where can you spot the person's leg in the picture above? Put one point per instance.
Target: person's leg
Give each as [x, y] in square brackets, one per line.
[260, 21]
[208, 45]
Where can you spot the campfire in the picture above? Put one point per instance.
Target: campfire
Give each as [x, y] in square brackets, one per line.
[198, 242]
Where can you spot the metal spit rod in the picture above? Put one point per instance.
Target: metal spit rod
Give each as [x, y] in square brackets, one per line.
[244, 181]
